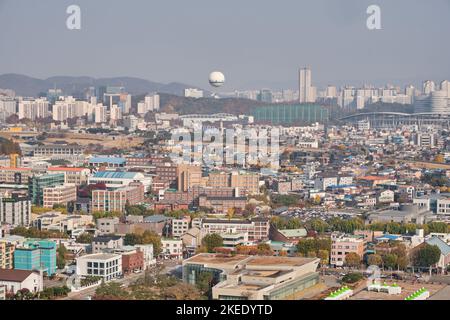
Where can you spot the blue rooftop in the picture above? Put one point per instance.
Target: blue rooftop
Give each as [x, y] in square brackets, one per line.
[111, 160]
[389, 237]
[115, 175]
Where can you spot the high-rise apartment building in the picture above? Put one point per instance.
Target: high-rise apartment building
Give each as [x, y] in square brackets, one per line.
[305, 86]
[33, 109]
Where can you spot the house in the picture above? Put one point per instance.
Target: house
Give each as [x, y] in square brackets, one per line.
[385, 196]
[172, 249]
[15, 280]
[106, 242]
[106, 225]
[192, 239]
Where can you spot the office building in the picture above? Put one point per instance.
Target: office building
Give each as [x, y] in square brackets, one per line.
[36, 255]
[38, 183]
[62, 195]
[105, 265]
[76, 176]
[188, 176]
[256, 228]
[115, 200]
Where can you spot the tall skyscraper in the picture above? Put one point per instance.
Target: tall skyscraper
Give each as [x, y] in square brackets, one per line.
[428, 87]
[305, 88]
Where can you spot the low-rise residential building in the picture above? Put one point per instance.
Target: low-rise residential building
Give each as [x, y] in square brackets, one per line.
[180, 226]
[172, 249]
[107, 225]
[105, 265]
[16, 280]
[132, 261]
[149, 257]
[102, 243]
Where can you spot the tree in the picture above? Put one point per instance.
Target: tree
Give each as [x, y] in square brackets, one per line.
[352, 259]
[264, 249]
[61, 257]
[375, 260]
[132, 239]
[318, 225]
[205, 282]
[324, 256]
[111, 291]
[151, 237]
[85, 238]
[182, 291]
[427, 256]
[352, 277]
[437, 227]
[212, 241]
[390, 261]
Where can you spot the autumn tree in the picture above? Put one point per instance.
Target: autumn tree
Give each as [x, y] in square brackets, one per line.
[352, 260]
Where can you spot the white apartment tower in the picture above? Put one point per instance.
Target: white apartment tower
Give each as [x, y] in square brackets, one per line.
[33, 109]
[306, 90]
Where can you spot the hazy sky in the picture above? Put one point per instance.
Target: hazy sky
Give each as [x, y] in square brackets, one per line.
[256, 43]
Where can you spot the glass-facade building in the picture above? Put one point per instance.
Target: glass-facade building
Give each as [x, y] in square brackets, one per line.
[290, 114]
[36, 255]
[37, 184]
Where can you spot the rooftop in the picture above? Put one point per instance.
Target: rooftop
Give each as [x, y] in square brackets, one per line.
[14, 275]
[116, 175]
[100, 256]
[112, 160]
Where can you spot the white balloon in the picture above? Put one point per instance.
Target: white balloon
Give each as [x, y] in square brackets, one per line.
[216, 79]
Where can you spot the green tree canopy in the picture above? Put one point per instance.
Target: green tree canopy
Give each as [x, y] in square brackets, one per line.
[212, 241]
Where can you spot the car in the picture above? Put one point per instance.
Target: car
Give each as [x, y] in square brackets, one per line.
[397, 276]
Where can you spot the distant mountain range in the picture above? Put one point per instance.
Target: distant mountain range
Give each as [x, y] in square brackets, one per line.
[28, 86]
